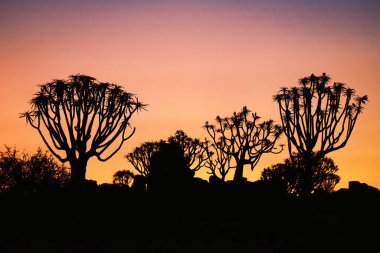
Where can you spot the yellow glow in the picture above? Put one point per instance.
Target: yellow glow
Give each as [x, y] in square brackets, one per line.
[191, 63]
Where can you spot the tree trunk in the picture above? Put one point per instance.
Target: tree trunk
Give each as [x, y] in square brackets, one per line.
[238, 176]
[307, 177]
[78, 172]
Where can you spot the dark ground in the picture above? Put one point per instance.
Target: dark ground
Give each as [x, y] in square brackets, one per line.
[212, 220]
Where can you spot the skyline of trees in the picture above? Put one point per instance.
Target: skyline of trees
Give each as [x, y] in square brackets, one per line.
[313, 114]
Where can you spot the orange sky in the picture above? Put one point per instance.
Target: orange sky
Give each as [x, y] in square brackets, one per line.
[191, 62]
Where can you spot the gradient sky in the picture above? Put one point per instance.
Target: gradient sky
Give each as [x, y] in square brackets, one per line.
[191, 61]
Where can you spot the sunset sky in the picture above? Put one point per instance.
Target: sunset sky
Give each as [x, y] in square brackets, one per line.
[191, 61]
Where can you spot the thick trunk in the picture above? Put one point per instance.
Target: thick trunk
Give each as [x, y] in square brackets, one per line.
[238, 177]
[78, 172]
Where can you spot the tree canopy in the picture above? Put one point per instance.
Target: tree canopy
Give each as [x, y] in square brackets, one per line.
[244, 138]
[80, 118]
[123, 177]
[318, 117]
[193, 150]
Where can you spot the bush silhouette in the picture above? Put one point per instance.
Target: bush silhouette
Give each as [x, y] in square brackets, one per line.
[25, 173]
[123, 177]
[291, 175]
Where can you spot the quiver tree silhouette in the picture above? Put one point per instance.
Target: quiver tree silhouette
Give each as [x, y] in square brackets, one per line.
[25, 173]
[318, 117]
[242, 137]
[123, 177]
[217, 162]
[291, 175]
[193, 149]
[141, 156]
[80, 118]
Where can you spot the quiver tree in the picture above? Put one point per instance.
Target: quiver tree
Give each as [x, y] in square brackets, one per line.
[318, 117]
[217, 162]
[141, 156]
[193, 149]
[242, 137]
[80, 118]
[291, 175]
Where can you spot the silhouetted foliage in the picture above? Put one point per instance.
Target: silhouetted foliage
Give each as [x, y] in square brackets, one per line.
[123, 177]
[82, 118]
[193, 149]
[318, 117]
[141, 156]
[291, 175]
[25, 173]
[242, 137]
[218, 162]
[169, 169]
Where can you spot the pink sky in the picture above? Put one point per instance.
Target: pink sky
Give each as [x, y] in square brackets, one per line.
[191, 62]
